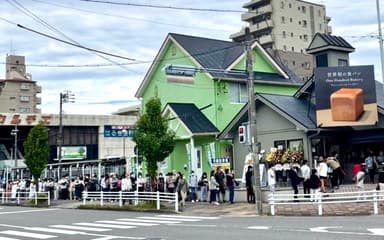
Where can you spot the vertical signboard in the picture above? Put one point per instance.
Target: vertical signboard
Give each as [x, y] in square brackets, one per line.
[345, 96]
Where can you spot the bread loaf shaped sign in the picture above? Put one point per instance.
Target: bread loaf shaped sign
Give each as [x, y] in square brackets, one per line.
[345, 96]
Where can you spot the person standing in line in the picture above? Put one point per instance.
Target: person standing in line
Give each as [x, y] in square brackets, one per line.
[360, 176]
[160, 183]
[126, 186]
[204, 187]
[314, 184]
[230, 181]
[306, 174]
[220, 179]
[371, 165]
[334, 163]
[170, 182]
[295, 181]
[182, 188]
[213, 185]
[193, 182]
[249, 185]
[272, 178]
[323, 173]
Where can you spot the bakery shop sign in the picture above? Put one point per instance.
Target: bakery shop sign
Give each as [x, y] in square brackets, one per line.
[345, 96]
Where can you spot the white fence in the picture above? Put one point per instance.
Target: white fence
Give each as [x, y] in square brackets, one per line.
[132, 197]
[22, 197]
[319, 199]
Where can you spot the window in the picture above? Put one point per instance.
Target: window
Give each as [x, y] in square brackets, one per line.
[307, 65]
[24, 110]
[24, 98]
[25, 86]
[293, 63]
[295, 145]
[281, 4]
[321, 26]
[12, 110]
[285, 48]
[299, 22]
[322, 60]
[303, 9]
[305, 36]
[238, 92]
[291, 34]
[290, 20]
[12, 98]
[304, 23]
[280, 144]
[319, 12]
[293, 49]
[342, 62]
[283, 19]
[284, 35]
[290, 5]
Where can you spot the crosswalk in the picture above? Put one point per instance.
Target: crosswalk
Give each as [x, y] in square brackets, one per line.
[96, 228]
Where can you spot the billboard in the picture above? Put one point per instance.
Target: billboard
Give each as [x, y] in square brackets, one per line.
[118, 131]
[72, 153]
[345, 96]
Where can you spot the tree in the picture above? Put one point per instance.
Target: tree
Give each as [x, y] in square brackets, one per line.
[36, 150]
[152, 136]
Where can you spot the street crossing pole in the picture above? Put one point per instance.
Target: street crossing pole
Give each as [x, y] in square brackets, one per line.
[252, 121]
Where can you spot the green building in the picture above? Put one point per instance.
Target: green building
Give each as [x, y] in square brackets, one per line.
[202, 85]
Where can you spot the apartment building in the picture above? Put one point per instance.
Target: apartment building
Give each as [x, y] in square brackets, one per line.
[286, 28]
[18, 92]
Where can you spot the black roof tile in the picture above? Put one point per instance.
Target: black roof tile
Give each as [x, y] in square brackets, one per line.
[193, 118]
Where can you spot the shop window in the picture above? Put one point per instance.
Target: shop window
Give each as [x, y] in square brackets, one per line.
[280, 144]
[295, 144]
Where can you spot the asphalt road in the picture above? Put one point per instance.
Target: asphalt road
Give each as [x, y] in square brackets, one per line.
[38, 223]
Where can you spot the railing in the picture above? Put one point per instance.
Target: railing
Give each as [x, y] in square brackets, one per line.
[319, 199]
[21, 197]
[132, 197]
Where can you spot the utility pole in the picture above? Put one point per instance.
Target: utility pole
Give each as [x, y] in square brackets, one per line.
[252, 121]
[380, 39]
[66, 97]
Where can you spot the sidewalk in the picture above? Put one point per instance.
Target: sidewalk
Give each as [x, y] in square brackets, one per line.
[246, 209]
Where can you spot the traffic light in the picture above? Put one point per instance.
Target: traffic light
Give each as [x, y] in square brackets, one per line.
[242, 134]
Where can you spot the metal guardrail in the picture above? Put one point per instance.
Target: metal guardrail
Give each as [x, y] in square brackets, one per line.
[319, 198]
[134, 197]
[23, 196]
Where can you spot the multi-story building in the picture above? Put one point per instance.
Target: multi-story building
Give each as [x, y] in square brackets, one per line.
[18, 91]
[286, 27]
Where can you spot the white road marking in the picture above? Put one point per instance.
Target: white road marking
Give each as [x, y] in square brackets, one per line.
[27, 234]
[104, 225]
[321, 229]
[259, 227]
[28, 211]
[377, 231]
[5, 238]
[147, 221]
[129, 223]
[105, 238]
[54, 230]
[191, 217]
[81, 228]
[171, 219]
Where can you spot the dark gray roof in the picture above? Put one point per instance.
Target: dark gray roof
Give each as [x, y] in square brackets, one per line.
[331, 41]
[301, 110]
[219, 54]
[193, 118]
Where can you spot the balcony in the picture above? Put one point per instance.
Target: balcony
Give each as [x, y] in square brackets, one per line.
[38, 89]
[256, 13]
[264, 25]
[37, 100]
[239, 36]
[266, 39]
[256, 3]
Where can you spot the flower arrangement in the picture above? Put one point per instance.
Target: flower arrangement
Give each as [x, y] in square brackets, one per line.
[285, 156]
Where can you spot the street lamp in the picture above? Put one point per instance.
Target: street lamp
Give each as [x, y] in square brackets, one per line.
[65, 97]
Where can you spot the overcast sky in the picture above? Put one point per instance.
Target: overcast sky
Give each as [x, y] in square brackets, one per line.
[102, 87]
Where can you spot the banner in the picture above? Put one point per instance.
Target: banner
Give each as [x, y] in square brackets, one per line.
[345, 96]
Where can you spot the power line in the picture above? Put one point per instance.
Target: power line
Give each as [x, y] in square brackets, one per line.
[166, 7]
[130, 18]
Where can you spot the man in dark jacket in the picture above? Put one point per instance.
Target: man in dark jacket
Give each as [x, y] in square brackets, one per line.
[249, 185]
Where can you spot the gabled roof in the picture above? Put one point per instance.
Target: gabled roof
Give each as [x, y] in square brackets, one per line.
[193, 119]
[321, 42]
[220, 55]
